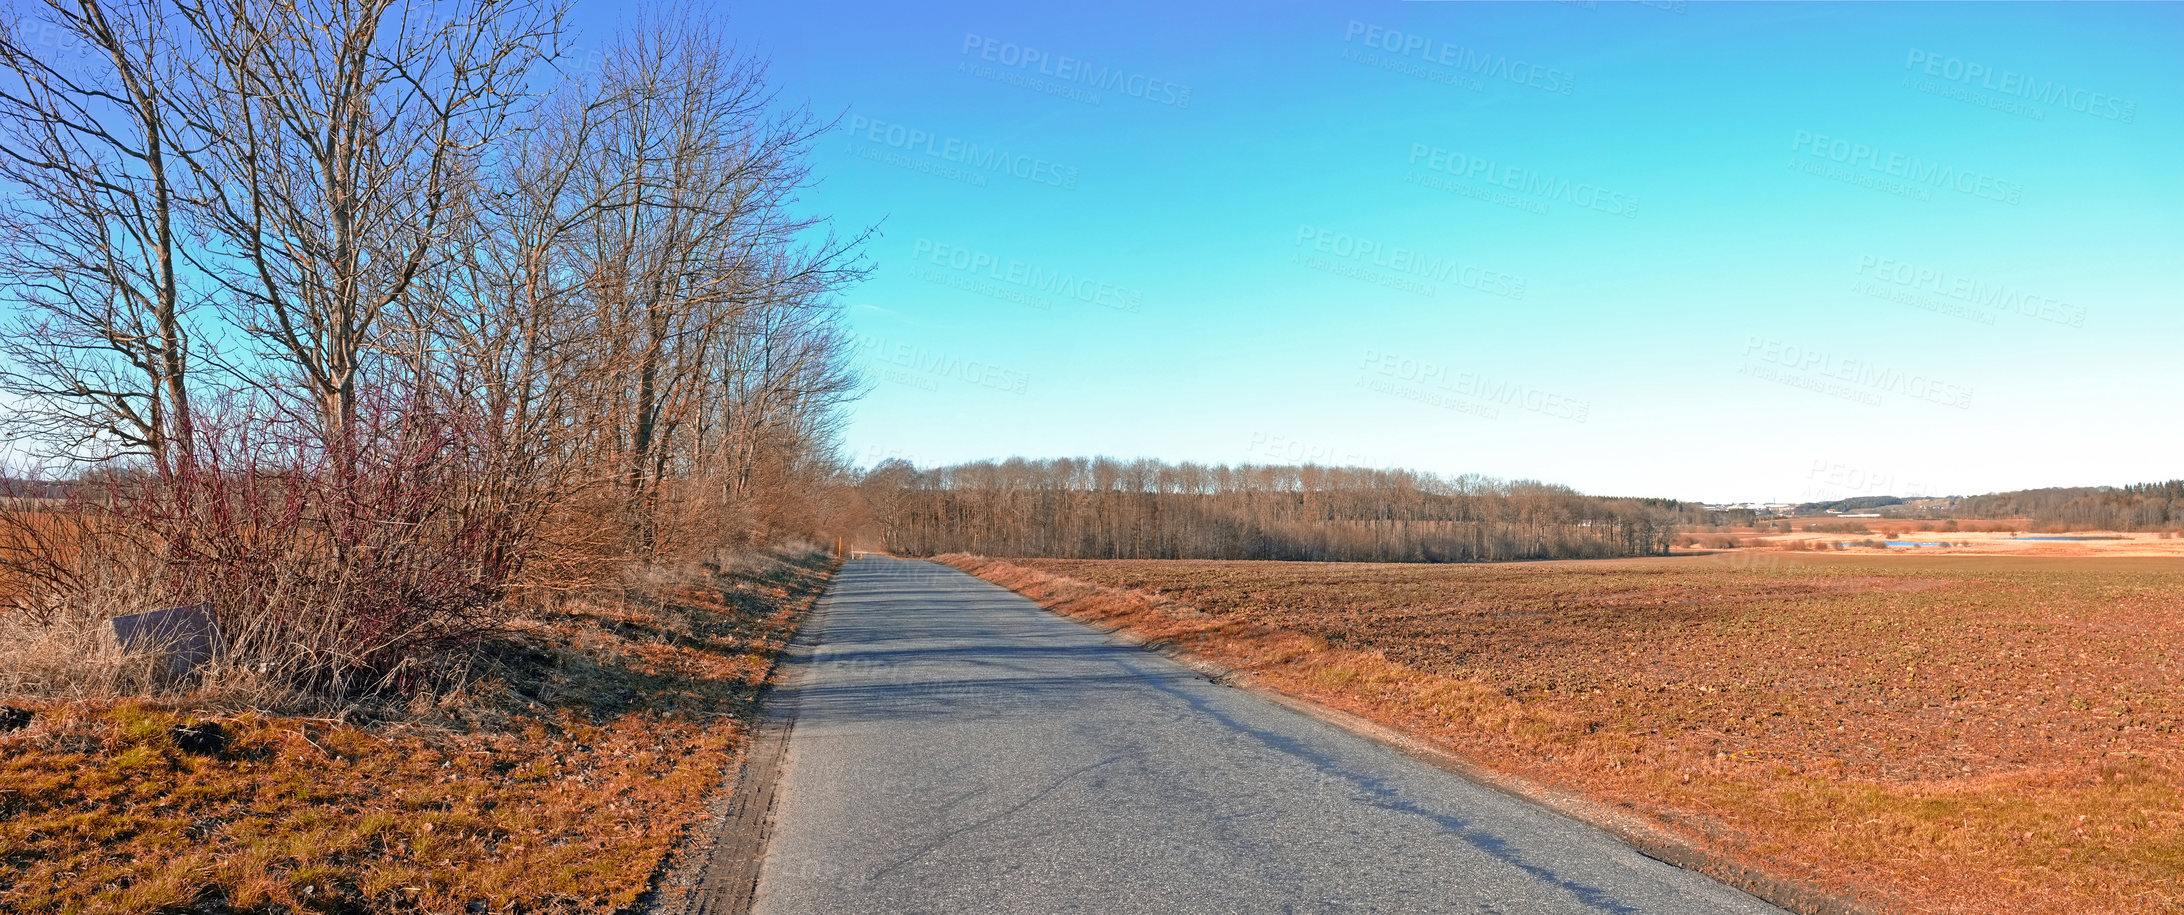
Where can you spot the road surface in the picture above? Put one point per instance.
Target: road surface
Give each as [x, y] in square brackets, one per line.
[958, 749]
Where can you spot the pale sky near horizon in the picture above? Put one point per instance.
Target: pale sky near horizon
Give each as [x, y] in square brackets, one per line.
[1707, 251]
[1710, 251]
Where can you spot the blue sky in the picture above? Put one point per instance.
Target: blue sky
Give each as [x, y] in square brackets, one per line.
[1709, 251]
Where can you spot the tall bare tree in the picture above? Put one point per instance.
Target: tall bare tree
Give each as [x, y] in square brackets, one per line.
[96, 170]
[698, 256]
[343, 136]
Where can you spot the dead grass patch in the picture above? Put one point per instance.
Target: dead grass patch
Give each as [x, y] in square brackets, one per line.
[585, 743]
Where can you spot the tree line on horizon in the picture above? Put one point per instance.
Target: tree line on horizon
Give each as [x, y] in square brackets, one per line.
[2135, 507]
[1100, 508]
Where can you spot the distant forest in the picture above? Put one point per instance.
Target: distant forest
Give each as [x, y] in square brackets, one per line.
[1106, 509]
[2139, 507]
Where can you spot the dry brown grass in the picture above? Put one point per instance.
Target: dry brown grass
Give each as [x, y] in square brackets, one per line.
[583, 746]
[1956, 734]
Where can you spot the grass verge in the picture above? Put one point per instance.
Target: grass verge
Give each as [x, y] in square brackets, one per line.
[587, 741]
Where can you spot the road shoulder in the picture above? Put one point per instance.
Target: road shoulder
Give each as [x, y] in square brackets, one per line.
[715, 870]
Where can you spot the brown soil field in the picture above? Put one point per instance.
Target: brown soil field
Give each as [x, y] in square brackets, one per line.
[29, 533]
[1924, 733]
[588, 743]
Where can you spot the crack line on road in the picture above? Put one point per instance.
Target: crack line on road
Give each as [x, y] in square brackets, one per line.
[951, 834]
[1388, 798]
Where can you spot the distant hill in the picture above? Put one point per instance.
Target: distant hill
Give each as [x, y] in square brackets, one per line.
[1857, 504]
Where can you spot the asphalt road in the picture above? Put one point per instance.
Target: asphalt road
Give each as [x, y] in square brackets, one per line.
[958, 749]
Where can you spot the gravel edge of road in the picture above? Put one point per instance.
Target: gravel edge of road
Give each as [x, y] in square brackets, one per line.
[1647, 839]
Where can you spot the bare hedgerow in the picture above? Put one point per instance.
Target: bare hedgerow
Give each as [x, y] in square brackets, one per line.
[325, 577]
[371, 326]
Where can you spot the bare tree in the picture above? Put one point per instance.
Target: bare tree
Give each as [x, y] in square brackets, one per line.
[342, 138]
[781, 369]
[97, 171]
[698, 269]
[508, 337]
